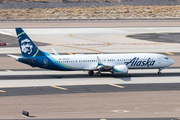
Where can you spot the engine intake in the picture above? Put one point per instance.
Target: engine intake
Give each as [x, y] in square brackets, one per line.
[120, 69]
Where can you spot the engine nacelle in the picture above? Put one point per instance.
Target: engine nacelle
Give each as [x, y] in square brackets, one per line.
[120, 69]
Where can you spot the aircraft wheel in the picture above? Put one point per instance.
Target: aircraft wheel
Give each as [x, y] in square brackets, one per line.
[159, 72]
[91, 73]
[98, 74]
[112, 72]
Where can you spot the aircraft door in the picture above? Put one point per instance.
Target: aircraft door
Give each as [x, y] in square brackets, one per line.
[159, 60]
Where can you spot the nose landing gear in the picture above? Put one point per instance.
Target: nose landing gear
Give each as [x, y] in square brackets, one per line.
[159, 72]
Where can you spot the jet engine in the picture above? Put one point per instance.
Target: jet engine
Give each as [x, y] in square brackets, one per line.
[120, 69]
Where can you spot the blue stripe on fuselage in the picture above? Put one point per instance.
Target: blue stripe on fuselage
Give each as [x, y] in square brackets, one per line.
[58, 64]
[46, 62]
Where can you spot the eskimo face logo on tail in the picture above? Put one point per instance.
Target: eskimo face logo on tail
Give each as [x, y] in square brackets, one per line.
[136, 62]
[26, 46]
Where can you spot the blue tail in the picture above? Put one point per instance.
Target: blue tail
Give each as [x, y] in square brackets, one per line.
[27, 46]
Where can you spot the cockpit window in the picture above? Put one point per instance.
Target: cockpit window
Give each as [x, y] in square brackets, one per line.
[166, 58]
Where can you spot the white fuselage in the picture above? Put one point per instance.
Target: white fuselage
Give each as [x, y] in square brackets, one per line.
[132, 60]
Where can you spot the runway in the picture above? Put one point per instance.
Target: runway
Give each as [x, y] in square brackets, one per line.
[103, 102]
[112, 119]
[75, 89]
[49, 78]
[141, 94]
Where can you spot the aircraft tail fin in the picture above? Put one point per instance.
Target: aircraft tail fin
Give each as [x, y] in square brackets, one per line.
[27, 46]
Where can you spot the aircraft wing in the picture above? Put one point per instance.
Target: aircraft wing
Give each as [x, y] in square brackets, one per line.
[100, 66]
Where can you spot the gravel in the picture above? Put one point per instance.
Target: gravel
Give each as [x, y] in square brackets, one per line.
[58, 4]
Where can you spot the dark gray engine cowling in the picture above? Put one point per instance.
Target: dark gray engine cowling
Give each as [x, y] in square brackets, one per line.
[120, 69]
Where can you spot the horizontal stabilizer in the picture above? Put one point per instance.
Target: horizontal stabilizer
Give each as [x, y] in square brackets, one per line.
[14, 56]
[28, 59]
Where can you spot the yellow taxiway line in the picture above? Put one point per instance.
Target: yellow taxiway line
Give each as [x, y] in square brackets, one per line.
[70, 53]
[107, 43]
[117, 86]
[2, 91]
[79, 48]
[169, 53]
[59, 87]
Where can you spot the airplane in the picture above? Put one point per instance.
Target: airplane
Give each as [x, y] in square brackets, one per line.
[113, 63]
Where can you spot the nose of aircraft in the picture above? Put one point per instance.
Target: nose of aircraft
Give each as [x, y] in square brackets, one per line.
[171, 62]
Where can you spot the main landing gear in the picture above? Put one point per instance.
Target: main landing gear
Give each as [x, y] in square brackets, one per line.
[98, 74]
[112, 72]
[91, 73]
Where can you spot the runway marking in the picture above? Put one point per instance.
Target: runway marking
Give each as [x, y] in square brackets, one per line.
[59, 87]
[79, 48]
[120, 111]
[163, 33]
[70, 53]
[117, 86]
[8, 70]
[2, 91]
[169, 53]
[107, 43]
[99, 45]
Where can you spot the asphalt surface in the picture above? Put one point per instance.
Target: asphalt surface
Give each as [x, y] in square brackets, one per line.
[154, 37]
[104, 119]
[104, 75]
[90, 24]
[158, 37]
[12, 41]
[25, 91]
[80, 3]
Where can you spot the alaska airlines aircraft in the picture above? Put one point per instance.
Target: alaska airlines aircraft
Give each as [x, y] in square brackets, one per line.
[114, 63]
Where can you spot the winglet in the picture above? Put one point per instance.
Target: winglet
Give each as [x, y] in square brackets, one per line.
[99, 61]
[54, 51]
